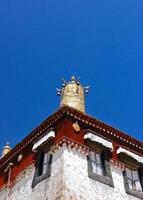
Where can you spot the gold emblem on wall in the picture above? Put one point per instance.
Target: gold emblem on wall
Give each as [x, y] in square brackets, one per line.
[76, 127]
[19, 158]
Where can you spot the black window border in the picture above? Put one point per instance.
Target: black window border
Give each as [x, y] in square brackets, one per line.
[107, 179]
[37, 179]
[130, 191]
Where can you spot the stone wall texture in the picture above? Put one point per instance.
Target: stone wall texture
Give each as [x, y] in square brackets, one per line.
[68, 181]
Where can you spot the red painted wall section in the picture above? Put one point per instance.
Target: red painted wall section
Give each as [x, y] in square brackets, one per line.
[115, 148]
[64, 129]
[27, 159]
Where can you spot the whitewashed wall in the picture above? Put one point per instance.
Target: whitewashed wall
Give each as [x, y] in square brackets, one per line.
[69, 181]
[81, 187]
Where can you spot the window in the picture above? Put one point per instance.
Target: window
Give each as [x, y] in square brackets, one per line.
[96, 162]
[133, 180]
[43, 167]
[99, 168]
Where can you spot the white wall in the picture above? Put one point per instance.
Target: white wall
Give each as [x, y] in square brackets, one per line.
[45, 190]
[68, 181]
[82, 187]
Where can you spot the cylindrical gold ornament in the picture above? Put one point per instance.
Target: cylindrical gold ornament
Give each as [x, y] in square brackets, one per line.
[72, 94]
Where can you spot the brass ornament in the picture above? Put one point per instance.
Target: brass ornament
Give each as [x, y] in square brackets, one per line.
[6, 149]
[76, 127]
[72, 94]
[19, 158]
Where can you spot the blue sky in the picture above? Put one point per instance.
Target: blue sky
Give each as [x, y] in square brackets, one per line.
[41, 41]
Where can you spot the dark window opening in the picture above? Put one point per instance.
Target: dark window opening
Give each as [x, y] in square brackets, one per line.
[42, 168]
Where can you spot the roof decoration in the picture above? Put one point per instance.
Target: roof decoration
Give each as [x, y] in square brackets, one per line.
[6, 149]
[72, 94]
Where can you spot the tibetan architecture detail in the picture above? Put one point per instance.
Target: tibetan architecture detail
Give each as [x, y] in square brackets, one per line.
[6, 149]
[72, 94]
[73, 156]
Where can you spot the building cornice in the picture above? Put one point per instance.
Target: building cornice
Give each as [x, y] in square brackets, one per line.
[85, 120]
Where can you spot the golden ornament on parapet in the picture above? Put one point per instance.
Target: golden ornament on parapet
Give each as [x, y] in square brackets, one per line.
[72, 94]
[19, 158]
[6, 149]
[76, 127]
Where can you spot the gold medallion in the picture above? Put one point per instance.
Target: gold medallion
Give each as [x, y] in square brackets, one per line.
[76, 127]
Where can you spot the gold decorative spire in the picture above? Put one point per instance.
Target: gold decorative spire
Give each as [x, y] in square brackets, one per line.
[6, 149]
[72, 94]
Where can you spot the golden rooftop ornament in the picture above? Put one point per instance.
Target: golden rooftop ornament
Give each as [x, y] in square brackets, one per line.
[72, 94]
[6, 149]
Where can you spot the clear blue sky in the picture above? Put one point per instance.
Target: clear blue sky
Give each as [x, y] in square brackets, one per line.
[41, 41]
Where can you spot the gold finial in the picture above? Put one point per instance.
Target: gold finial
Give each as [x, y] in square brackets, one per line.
[6, 149]
[72, 78]
[72, 94]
